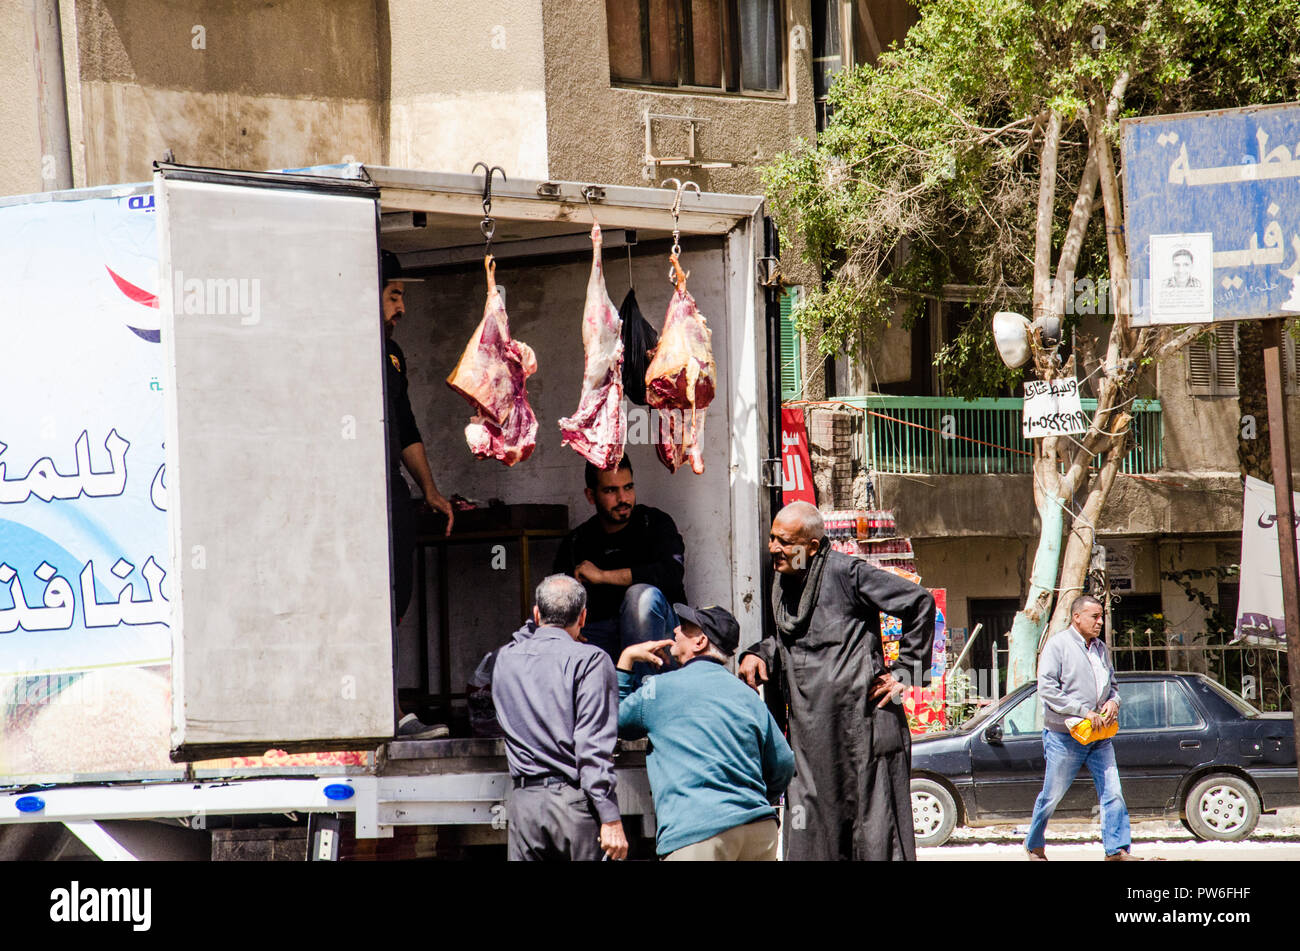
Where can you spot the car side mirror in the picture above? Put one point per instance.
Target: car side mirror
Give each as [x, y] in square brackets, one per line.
[994, 733]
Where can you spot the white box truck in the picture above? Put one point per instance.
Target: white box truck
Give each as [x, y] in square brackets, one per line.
[195, 606]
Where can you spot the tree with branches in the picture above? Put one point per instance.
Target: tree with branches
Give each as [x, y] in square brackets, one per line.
[983, 151]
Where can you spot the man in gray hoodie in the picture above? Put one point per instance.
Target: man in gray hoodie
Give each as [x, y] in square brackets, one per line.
[1076, 682]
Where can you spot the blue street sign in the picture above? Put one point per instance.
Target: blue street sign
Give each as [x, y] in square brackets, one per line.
[1212, 214]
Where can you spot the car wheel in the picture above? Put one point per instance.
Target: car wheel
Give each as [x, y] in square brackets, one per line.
[934, 813]
[1223, 808]
[1188, 826]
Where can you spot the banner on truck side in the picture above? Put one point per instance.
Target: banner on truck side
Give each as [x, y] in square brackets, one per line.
[85, 643]
[85, 647]
[1259, 602]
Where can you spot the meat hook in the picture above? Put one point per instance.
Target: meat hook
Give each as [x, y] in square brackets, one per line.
[586, 196]
[488, 225]
[675, 274]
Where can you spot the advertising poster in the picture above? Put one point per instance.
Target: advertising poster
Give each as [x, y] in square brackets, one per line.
[1260, 617]
[1052, 407]
[924, 706]
[796, 464]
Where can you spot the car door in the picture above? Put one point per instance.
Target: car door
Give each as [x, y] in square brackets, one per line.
[1007, 760]
[1162, 734]
[1008, 766]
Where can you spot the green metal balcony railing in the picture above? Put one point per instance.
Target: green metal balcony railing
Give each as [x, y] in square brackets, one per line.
[948, 436]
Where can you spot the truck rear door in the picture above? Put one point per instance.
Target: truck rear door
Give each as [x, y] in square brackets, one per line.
[276, 464]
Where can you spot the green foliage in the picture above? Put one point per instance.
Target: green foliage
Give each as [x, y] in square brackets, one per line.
[962, 698]
[969, 364]
[928, 172]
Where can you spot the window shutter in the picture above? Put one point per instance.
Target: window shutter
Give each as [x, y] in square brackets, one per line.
[1200, 368]
[1212, 364]
[791, 377]
[1225, 369]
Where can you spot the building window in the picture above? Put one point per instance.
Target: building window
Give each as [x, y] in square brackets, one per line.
[1212, 363]
[725, 46]
[828, 54]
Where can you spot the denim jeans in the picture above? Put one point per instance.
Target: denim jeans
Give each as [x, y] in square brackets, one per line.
[1065, 755]
[645, 615]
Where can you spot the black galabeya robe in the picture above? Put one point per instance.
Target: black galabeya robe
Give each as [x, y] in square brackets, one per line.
[850, 797]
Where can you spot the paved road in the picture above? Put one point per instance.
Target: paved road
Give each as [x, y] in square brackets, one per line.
[1277, 838]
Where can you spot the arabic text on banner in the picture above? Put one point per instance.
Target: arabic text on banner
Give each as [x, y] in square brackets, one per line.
[1260, 616]
[796, 464]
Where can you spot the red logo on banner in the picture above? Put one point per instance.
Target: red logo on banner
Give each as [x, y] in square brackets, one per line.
[796, 481]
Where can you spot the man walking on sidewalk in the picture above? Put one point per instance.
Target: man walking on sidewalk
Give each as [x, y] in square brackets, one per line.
[1076, 682]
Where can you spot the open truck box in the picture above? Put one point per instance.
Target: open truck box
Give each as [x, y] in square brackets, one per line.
[276, 481]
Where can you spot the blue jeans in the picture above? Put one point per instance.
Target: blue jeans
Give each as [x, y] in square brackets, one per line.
[645, 615]
[1064, 756]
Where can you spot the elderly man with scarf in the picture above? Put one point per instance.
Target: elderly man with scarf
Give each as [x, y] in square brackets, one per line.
[850, 797]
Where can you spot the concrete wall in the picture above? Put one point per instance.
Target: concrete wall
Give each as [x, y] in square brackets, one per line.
[468, 85]
[928, 505]
[1200, 431]
[999, 568]
[974, 568]
[545, 303]
[20, 145]
[277, 84]
[595, 131]
[421, 83]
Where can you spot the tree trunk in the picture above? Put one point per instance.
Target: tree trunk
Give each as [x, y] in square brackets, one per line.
[1026, 630]
[1052, 490]
[1083, 532]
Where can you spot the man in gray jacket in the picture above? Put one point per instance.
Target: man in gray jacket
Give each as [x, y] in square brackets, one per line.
[1076, 682]
[557, 703]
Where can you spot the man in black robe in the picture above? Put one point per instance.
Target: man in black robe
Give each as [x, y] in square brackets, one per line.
[850, 797]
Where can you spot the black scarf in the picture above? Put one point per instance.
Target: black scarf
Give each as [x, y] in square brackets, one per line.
[795, 597]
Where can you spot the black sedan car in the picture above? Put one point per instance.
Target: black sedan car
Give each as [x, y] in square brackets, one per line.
[1186, 747]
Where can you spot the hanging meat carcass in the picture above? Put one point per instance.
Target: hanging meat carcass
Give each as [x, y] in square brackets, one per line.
[681, 380]
[491, 374]
[596, 431]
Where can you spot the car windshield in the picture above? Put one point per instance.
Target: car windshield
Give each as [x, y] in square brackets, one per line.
[1242, 707]
[982, 716]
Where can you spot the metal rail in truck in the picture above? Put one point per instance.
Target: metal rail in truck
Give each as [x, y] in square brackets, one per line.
[270, 627]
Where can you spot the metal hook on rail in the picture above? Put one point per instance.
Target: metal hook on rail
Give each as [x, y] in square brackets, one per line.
[587, 192]
[675, 274]
[488, 225]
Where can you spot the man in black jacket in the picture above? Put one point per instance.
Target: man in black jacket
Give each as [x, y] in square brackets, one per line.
[405, 448]
[631, 560]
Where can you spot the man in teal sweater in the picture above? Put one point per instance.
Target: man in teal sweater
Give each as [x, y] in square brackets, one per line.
[718, 761]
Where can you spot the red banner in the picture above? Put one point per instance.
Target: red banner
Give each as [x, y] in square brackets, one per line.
[796, 464]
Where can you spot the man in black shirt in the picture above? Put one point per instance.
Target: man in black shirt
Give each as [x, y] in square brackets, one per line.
[405, 448]
[630, 558]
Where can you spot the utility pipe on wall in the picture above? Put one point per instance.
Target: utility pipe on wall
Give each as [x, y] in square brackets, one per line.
[51, 97]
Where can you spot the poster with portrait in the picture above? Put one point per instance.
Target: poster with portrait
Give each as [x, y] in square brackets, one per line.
[1182, 278]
